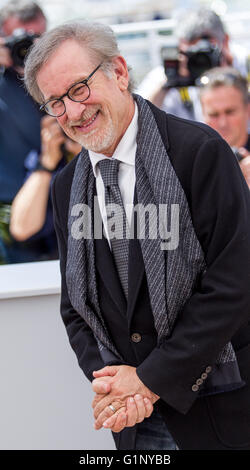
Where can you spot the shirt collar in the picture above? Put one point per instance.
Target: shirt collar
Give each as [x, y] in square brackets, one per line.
[125, 150]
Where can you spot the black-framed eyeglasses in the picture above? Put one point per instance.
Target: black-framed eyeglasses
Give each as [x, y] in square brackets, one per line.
[78, 92]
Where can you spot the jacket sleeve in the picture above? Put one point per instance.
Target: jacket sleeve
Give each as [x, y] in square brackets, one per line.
[80, 335]
[220, 209]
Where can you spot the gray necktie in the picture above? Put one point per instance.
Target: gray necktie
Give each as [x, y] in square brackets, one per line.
[116, 214]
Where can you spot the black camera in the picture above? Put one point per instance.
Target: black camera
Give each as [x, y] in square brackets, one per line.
[200, 57]
[19, 44]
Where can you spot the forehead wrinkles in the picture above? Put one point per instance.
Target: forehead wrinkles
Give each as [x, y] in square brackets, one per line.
[70, 57]
[67, 64]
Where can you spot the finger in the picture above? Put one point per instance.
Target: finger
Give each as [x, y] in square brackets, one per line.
[243, 152]
[46, 121]
[108, 370]
[103, 416]
[97, 398]
[148, 407]
[5, 58]
[102, 404]
[57, 141]
[45, 135]
[110, 422]
[120, 423]
[108, 413]
[141, 411]
[52, 134]
[54, 128]
[101, 387]
[51, 131]
[132, 414]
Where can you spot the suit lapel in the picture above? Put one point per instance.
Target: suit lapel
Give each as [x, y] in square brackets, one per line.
[81, 269]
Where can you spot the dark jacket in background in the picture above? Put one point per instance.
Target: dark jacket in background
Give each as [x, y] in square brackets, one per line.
[19, 133]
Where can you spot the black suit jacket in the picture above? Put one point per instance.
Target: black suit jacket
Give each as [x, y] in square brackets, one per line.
[218, 311]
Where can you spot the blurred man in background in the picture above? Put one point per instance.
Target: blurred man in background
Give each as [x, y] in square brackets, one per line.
[202, 44]
[225, 104]
[20, 23]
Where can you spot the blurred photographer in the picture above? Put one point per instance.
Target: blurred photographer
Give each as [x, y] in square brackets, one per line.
[225, 104]
[202, 44]
[31, 212]
[21, 22]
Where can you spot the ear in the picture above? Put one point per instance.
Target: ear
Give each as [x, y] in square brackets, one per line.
[226, 50]
[226, 40]
[121, 72]
[227, 58]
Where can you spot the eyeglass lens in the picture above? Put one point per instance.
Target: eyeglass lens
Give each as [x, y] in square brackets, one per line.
[78, 92]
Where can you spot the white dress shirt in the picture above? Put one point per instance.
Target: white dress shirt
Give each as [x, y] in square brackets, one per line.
[125, 152]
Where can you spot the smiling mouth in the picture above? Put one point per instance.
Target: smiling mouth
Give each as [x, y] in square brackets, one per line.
[88, 123]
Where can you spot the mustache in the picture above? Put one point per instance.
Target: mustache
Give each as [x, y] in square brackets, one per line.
[84, 117]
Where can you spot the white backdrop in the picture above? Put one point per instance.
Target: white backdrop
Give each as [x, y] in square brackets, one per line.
[45, 399]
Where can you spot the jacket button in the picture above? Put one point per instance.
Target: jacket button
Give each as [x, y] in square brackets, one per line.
[208, 369]
[204, 376]
[136, 337]
[195, 388]
[199, 382]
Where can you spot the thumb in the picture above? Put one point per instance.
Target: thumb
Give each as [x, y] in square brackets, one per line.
[108, 370]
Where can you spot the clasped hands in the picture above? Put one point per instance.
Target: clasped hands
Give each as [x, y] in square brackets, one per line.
[120, 387]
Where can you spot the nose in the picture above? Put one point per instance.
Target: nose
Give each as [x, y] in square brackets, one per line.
[223, 121]
[74, 109]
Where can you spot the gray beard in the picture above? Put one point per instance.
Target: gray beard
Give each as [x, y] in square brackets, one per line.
[98, 141]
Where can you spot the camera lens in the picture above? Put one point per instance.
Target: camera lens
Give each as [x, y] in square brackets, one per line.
[199, 63]
[20, 50]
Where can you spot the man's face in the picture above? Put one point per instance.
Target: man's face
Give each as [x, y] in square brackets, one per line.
[225, 111]
[98, 123]
[37, 25]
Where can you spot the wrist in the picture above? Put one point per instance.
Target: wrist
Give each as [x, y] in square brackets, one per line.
[41, 167]
[48, 163]
[145, 391]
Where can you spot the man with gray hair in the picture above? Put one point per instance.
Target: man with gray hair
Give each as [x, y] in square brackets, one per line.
[18, 15]
[224, 98]
[162, 328]
[24, 10]
[195, 27]
[203, 43]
